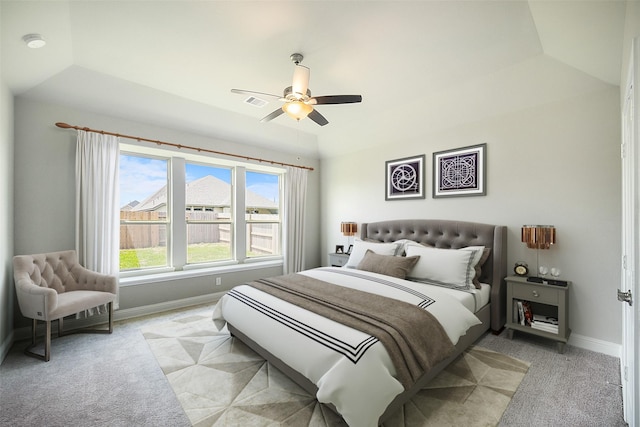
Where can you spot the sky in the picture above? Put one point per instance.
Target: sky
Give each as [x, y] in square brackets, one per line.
[140, 177]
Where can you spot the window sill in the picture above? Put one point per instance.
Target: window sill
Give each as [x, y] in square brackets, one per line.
[199, 272]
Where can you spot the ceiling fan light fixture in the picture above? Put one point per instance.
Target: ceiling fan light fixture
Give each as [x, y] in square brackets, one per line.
[297, 109]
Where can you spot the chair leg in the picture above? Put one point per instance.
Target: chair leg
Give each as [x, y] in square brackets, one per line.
[34, 325]
[47, 342]
[47, 339]
[107, 330]
[111, 317]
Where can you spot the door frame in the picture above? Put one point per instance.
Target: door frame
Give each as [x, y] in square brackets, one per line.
[630, 265]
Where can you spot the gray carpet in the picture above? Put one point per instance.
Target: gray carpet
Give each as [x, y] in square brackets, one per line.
[91, 380]
[577, 388]
[115, 380]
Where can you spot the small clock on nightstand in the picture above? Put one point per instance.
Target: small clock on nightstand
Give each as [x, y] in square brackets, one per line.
[521, 269]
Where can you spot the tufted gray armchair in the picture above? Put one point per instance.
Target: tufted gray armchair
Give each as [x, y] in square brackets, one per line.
[54, 285]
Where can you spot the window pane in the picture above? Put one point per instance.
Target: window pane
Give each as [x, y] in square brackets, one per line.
[143, 246]
[208, 242]
[262, 196]
[208, 213]
[263, 239]
[262, 199]
[143, 198]
[143, 185]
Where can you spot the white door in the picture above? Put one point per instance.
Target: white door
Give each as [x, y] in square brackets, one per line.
[630, 369]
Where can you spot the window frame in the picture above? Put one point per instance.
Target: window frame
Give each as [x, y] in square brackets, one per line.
[177, 251]
[167, 222]
[230, 221]
[257, 221]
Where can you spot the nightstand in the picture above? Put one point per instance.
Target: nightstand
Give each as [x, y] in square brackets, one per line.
[338, 260]
[544, 300]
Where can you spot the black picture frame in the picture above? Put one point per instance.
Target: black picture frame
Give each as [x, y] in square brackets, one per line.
[349, 250]
[404, 178]
[460, 172]
[339, 249]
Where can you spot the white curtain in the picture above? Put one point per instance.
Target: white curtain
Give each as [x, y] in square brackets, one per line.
[295, 196]
[97, 204]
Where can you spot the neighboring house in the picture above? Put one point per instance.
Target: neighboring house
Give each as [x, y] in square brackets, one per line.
[207, 194]
[130, 206]
[207, 198]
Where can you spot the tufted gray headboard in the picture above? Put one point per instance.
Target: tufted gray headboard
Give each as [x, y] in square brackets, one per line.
[449, 234]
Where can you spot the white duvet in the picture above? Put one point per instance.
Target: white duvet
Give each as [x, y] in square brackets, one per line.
[351, 369]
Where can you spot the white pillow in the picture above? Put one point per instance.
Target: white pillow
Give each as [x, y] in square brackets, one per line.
[402, 244]
[444, 267]
[360, 249]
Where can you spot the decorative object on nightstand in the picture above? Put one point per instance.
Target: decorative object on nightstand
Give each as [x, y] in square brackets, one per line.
[349, 229]
[538, 237]
[338, 259]
[540, 309]
[521, 269]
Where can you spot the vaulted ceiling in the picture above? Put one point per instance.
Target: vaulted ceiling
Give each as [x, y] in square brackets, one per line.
[420, 66]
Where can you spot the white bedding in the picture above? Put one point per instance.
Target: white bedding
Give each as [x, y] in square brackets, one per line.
[327, 352]
[472, 299]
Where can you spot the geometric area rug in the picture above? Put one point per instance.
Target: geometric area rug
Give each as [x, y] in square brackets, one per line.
[221, 382]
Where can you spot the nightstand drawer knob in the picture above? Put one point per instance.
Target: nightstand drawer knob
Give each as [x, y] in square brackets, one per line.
[535, 294]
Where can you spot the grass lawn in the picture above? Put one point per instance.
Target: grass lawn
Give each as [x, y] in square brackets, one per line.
[157, 257]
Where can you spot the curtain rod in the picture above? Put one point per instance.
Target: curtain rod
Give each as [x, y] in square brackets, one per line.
[138, 138]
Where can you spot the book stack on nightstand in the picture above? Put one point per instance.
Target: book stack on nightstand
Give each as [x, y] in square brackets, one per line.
[526, 317]
[545, 323]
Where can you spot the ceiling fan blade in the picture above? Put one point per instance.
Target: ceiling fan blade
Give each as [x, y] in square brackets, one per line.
[300, 80]
[273, 115]
[258, 94]
[335, 99]
[317, 117]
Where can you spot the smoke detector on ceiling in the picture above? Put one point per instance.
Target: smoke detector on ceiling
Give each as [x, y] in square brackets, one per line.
[34, 41]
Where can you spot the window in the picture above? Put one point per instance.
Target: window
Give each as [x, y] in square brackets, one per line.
[195, 211]
[262, 214]
[144, 223]
[209, 214]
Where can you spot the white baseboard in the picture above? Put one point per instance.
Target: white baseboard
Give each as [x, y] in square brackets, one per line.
[593, 344]
[146, 310]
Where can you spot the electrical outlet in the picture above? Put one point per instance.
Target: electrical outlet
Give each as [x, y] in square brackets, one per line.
[218, 281]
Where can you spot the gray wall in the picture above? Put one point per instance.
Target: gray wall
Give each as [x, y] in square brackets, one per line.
[6, 218]
[553, 164]
[631, 30]
[45, 200]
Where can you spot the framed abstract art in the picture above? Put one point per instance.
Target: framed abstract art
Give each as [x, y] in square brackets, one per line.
[405, 178]
[460, 172]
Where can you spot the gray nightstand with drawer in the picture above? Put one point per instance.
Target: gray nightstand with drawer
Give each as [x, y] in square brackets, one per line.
[545, 300]
[338, 260]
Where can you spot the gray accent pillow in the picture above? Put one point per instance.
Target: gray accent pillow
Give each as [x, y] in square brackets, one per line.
[360, 248]
[485, 255]
[388, 265]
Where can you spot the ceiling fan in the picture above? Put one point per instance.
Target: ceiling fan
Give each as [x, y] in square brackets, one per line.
[298, 102]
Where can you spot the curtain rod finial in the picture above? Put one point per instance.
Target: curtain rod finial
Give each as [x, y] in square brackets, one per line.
[63, 125]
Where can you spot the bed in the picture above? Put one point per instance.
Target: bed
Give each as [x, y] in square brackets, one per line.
[354, 373]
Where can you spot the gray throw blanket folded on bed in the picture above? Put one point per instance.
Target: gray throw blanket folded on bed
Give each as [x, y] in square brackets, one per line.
[413, 337]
